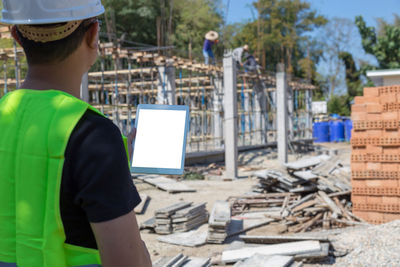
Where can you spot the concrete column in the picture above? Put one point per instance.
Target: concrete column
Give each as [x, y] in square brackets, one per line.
[230, 116]
[166, 85]
[290, 107]
[308, 95]
[85, 87]
[282, 114]
[261, 107]
[217, 111]
[247, 120]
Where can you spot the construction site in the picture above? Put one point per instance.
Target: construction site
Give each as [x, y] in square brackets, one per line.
[258, 190]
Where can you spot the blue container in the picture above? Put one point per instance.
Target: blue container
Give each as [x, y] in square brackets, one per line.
[321, 132]
[348, 126]
[336, 131]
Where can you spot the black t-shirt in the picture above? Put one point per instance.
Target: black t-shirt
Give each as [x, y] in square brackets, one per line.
[96, 183]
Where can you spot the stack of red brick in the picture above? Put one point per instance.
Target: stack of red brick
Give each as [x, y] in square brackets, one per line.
[375, 158]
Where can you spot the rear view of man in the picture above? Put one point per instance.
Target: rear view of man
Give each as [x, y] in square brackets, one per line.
[238, 54]
[66, 194]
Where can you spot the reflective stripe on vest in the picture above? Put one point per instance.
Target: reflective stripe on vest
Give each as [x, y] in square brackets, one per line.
[35, 129]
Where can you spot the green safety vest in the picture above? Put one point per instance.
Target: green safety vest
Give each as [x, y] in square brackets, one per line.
[35, 127]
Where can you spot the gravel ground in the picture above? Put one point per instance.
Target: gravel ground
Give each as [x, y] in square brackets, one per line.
[377, 245]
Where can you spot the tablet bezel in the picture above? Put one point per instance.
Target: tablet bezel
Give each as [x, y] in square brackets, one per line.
[146, 170]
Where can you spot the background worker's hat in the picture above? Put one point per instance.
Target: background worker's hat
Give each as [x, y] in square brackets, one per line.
[212, 35]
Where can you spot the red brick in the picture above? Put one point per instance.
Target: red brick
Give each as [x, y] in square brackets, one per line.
[373, 166]
[362, 214]
[358, 199]
[374, 117]
[373, 183]
[374, 149]
[374, 199]
[374, 108]
[390, 200]
[375, 133]
[388, 98]
[359, 108]
[371, 91]
[388, 217]
[389, 167]
[358, 115]
[358, 183]
[390, 150]
[390, 183]
[376, 217]
[358, 100]
[392, 115]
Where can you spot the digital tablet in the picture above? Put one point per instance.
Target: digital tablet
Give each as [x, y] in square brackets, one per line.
[160, 143]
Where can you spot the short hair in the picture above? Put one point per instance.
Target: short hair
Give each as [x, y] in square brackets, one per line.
[55, 51]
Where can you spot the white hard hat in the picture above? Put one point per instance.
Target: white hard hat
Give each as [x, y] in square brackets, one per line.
[49, 11]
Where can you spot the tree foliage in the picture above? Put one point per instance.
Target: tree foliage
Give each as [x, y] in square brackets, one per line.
[385, 45]
[279, 31]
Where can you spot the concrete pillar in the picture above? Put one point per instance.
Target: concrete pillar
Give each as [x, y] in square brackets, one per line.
[282, 114]
[166, 85]
[308, 96]
[217, 111]
[85, 87]
[247, 120]
[230, 116]
[260, 109]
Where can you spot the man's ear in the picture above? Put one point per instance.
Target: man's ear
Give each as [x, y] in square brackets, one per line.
[92, 36]
[15, 34]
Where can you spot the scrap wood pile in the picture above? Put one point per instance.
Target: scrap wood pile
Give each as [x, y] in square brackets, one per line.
[302, 199]
[176, 218]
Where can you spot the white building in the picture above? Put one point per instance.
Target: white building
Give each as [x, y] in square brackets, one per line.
[384, 77]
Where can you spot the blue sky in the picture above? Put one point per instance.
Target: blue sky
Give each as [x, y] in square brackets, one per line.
[239, 10]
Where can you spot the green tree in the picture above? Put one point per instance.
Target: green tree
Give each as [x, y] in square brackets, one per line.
[279, 30]
[383, 45]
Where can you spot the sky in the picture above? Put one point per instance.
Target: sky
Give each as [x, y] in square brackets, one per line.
[241, 11]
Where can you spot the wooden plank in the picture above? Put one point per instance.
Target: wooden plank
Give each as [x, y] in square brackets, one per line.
[188, 239]
[167, 184]
[259, 260]
[197, 262]
[171, 209]
[289, 249]
[139, 209]
[332, 206]
[279, 239]
[303, 163]
[221, 212]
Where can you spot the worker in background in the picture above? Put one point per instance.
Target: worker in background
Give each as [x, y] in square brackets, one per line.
[211, 38]
[250, 64]
[238, 55]
[66, 193]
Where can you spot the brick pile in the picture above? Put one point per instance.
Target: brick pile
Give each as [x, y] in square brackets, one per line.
[375, 157]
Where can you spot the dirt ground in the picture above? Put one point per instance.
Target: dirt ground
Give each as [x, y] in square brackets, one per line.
[211, 189]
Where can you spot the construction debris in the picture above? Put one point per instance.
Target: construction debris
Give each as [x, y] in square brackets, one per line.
[140, 209]
[290, 249]
[259, 260]
[182, 261]
[166, 184]
[192, 238]
[219, 222]
[180, 217]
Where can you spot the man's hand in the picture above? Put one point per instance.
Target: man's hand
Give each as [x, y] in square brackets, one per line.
[131, 136]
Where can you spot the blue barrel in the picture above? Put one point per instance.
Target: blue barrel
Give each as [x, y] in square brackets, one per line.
[321, 130]
[337, 131]
[348, 126]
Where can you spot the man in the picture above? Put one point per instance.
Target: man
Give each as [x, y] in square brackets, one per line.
[250, 64]
[66, 192]
[211, 38]
[238, 54]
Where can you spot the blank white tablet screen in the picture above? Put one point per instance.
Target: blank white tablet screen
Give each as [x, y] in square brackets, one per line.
[159, 139]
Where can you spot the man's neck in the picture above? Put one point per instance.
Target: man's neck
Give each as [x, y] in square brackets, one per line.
[62, 77]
